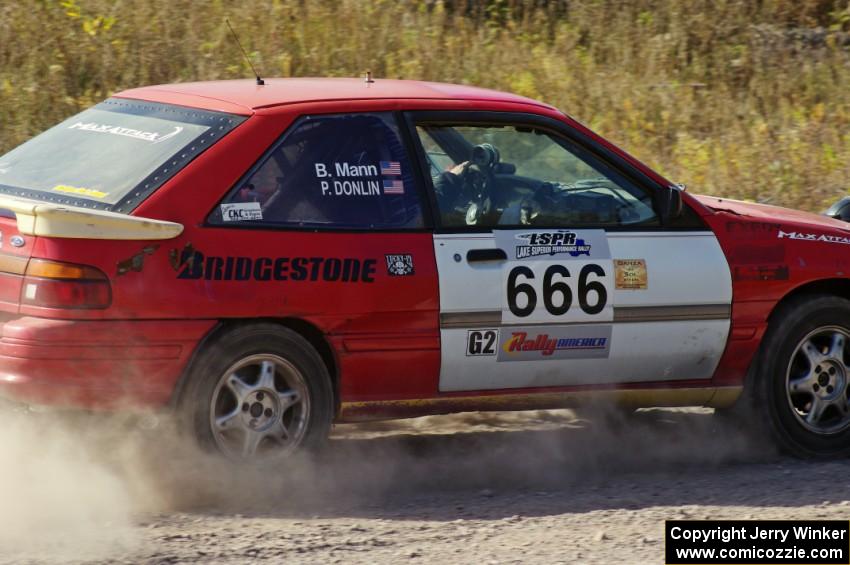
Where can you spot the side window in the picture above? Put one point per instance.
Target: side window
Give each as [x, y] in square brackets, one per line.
[504, 176]
[344, 171]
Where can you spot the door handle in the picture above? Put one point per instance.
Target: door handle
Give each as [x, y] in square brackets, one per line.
[481, 255]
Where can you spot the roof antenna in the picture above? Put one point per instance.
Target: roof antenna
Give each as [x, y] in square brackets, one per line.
[369, 79]
[260, 82]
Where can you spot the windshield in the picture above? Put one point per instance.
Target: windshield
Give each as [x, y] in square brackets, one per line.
[113, 155]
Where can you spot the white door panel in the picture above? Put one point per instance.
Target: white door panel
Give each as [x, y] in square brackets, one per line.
[671, 325]
[682, 268]
[639, 352]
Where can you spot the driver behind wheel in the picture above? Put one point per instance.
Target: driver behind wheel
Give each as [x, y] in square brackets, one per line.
[448, 186]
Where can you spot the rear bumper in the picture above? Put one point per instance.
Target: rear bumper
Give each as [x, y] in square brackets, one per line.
[95, 364]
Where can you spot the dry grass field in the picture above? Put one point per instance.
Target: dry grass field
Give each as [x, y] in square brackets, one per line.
[744, 98]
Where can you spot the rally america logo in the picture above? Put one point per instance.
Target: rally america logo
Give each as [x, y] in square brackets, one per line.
[551, 243]
[399, 265]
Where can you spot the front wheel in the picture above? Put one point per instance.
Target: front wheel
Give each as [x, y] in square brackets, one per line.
[259, 391]
[802, 384]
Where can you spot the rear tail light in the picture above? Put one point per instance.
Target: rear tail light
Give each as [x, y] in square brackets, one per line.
[52, 284]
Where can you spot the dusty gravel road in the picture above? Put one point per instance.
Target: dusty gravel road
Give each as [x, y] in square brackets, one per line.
[531, 487]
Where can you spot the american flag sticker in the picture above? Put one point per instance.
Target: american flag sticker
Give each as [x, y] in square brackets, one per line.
[393, 187]
[390, 168]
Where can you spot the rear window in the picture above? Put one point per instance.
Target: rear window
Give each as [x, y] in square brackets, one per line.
[113, 155]
[343, 171]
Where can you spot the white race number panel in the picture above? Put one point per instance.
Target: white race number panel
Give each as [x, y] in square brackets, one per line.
[543, 346]
[556, 276]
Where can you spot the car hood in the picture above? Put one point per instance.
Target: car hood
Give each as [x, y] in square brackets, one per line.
[774, 214]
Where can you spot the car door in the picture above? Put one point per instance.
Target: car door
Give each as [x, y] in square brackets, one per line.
[555, 268]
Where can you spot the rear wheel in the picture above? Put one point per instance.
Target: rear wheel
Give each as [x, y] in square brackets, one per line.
[259, 391]
[802, 382]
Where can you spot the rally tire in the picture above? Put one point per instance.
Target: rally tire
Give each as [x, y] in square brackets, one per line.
[799, 388]
[258, 391]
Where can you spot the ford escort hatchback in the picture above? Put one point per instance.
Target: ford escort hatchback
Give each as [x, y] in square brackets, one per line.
[266, 260]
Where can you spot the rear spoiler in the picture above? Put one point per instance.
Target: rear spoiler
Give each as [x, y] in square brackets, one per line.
[55, 220]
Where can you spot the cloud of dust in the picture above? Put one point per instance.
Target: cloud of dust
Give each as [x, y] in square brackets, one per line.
[56, 500]
[77, 489]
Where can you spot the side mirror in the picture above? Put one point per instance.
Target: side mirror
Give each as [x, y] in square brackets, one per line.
[670, 204]
[840, 210]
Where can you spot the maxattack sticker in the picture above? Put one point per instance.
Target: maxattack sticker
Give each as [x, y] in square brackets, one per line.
[399, 265]
[553, 244]
[630, 274]
[813, 237]
[241, 211]
[151, 136]
[554, 342]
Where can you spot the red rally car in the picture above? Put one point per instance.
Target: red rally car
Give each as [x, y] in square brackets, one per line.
[268, 259]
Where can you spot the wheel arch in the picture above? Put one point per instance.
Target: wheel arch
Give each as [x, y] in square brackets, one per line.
[820, 287]
[834, 286]
[309, 331]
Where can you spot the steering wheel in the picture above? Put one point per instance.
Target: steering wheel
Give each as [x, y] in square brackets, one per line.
[474, 189]
[476, 181]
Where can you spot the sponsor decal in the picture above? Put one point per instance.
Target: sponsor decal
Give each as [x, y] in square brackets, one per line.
[194, 265]
[814, 237]
[550, 243]
[399, 265]
[150, 136]
[555, 342]
[480, 343]
[553, 244]
[241, 211]
[630, 274]
[91, 193]
[751, 227]
[761, 273]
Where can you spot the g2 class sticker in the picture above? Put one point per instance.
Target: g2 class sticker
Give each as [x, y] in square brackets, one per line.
[630, 274]
[555, 342]
[241, 211]
[399, 265]
[480, 343]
